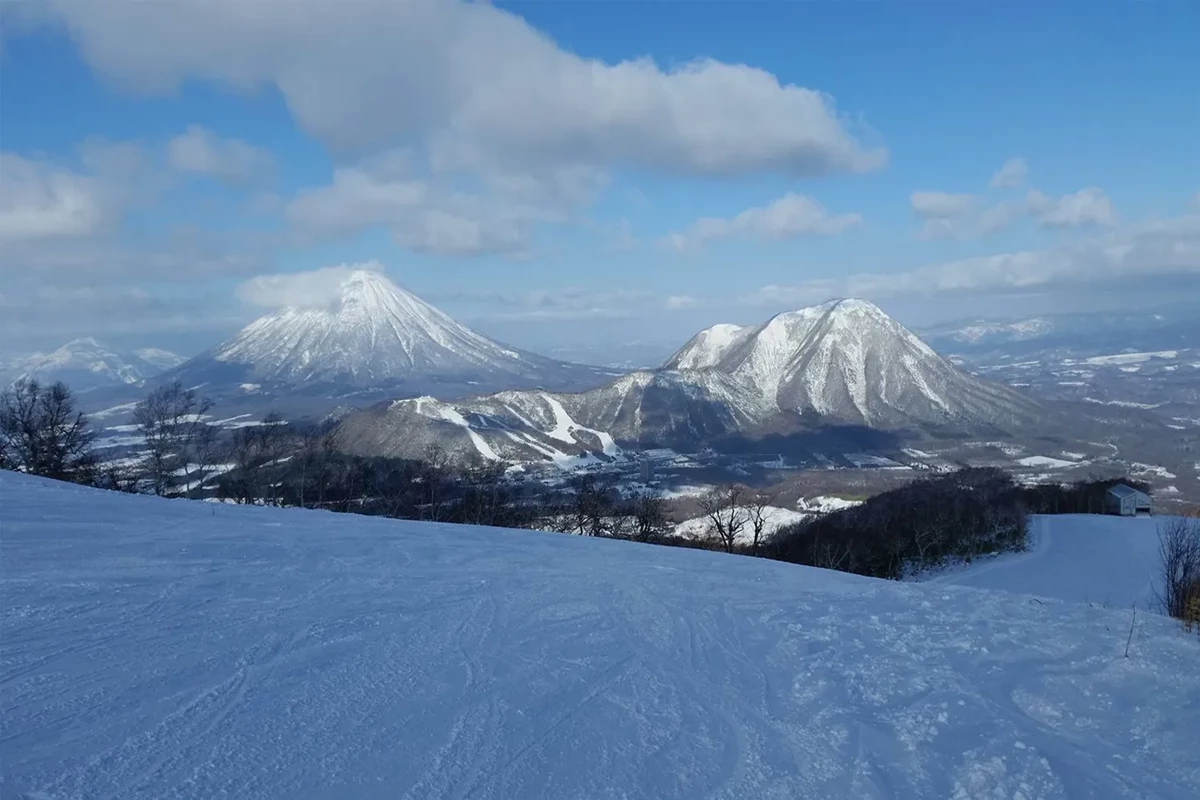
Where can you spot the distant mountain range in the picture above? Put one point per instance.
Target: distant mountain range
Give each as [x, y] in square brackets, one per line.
[87, 365]
[843, 364]
[1079, 334]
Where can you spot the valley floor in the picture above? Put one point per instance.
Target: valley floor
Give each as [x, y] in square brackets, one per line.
[159, 649]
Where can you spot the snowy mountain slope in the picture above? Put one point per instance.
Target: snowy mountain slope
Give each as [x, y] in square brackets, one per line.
[847, 360]
[708, 347]
[842, 363]
[663, 408]
[374, 336]
[1083, 558]
[191, 650]
[86, 364]
[162, 360]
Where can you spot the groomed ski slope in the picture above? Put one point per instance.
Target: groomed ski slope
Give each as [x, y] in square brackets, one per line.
[1085, 558]
[167, 649]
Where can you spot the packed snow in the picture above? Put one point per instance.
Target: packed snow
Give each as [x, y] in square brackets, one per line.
[173, 649]
[1084, 558]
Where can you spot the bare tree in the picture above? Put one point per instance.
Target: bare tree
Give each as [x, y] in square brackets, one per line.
[42, 433]
[758, 506]
[434, 470]
[255, 453]
[171, 420]
[723, 506]
[1179, 548]
[649, 515]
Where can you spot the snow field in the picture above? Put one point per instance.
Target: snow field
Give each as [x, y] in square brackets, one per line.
[171, 649]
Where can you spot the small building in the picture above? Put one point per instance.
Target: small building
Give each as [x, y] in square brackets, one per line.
[1126, 501]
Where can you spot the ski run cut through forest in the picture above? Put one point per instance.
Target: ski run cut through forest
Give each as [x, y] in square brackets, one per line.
[177, 649]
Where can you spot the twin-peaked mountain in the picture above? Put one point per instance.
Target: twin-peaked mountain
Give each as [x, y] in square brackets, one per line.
[841, 365]
[372, 340]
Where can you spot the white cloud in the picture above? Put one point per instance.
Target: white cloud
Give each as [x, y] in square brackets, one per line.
[960, 216]
[422, 215]
[316, 288]
[1089, 206]
[1012, 174]
[681, 302]
[41, 201]
[788, 217]
[1161, 248]
[232, 161]
[941, 205]
[473, 84]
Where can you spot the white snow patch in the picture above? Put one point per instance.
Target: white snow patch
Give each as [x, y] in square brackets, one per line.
[774, 518]
[1046, 461]
[825, 504]
[1130, 358]
[451, 415]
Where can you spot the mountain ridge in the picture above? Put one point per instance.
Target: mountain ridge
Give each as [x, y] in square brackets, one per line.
[87, 365]
[843, 363]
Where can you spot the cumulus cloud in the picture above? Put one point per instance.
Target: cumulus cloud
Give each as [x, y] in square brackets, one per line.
[788, 217]
[1089, 206]
[41, 201]
[1012, 174]
[472, 82]
[316, 288]
[1160, 248]
[231, 161]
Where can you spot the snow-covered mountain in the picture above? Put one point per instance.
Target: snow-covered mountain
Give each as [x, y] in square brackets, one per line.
[843, 363]
[86, 364]
[373, 338]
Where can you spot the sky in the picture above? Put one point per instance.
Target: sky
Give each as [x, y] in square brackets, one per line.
[568, 176]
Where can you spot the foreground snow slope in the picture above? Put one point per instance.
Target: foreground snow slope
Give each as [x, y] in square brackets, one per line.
[1085, 558]
[159, 649]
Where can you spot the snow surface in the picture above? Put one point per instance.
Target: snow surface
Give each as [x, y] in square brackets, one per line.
[173, 649]
[1084, 558]
[774, 518]
[1046, 461]
[825, 504]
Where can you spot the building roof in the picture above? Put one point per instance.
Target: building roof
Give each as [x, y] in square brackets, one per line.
[1123, 490]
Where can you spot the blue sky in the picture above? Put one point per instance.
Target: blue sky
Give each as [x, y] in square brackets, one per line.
[562, 174]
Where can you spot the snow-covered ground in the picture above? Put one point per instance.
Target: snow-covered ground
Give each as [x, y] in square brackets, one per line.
[774, 518]
[1083, 558]
[171, 649]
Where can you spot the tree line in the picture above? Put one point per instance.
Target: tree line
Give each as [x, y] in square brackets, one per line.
[181, 453]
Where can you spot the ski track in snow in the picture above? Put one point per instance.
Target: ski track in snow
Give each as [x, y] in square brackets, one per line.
[170, 649]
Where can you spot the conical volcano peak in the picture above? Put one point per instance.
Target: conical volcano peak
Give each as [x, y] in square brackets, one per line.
[371, 333]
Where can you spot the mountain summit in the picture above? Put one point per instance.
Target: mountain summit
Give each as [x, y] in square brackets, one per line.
[373, 338]
[847, 360]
